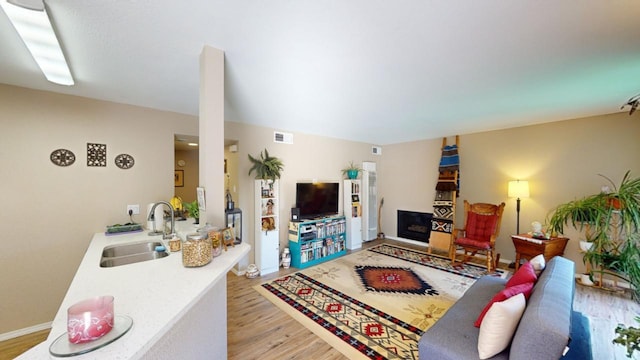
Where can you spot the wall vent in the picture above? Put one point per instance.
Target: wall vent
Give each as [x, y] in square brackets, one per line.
[283, 138]
[376, 150]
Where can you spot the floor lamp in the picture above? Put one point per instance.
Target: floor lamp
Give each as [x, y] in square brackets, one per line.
[518, 189]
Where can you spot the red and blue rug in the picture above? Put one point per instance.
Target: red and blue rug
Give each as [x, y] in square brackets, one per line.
[375, 303]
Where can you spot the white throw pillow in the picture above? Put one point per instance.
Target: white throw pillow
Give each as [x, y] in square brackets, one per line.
[499, 325]
[538, 263]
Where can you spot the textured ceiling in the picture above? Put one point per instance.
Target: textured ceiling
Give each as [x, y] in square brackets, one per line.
[374, 71]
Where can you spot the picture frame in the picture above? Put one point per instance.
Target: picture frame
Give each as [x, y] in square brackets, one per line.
[227, 238]
[178, 178]
[202, 203]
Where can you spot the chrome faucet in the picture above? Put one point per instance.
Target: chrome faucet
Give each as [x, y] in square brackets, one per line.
[151, 217]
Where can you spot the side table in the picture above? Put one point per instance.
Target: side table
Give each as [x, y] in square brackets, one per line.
[527, 247]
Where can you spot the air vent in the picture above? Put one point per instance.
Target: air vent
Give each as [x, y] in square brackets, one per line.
[376, 150]
[283, 138]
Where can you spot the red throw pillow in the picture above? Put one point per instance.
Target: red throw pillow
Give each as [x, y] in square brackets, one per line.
[525, 274]
[504, 294]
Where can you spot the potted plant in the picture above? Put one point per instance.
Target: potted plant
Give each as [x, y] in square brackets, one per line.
[193, 210]
[629, 337]
[351, 171]
[612, 221]
[266, 167]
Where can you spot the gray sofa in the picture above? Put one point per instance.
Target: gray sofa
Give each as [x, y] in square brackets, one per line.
[543, 332]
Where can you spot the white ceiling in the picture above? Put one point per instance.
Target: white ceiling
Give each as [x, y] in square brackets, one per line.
[367, 70]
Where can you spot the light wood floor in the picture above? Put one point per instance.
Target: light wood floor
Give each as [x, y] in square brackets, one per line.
[257, 329]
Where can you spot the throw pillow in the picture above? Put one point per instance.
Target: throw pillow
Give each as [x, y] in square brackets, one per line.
[504, 294]
[524, 274]
[538, 264]
[499, 325]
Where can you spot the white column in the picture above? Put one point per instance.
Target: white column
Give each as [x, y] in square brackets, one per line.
[211, 133]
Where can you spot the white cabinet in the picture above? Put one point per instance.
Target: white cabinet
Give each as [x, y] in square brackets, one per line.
[267, 226]
[353, 213]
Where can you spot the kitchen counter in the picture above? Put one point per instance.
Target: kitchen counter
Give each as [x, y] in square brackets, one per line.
[177, 312]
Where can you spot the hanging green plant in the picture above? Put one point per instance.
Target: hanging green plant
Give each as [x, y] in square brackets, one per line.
[266, 167]
[351, 171]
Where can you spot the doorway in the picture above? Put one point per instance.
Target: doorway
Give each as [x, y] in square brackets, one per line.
[186, 165]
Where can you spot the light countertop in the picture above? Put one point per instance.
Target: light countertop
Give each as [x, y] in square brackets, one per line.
[155, 293]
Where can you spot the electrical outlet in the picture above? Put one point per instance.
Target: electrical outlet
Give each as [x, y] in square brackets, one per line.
[135, 209]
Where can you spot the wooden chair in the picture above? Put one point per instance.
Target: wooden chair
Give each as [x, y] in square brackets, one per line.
[482, 227]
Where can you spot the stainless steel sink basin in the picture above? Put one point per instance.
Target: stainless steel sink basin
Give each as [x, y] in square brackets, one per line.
[130, 249]
[130, 259]
[116, 255]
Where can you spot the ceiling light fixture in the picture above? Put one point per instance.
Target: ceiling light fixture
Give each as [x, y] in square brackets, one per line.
[30, 19]
[633, 102]
[192, 144]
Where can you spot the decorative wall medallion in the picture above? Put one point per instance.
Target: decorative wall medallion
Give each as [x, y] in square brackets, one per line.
[96, 154]
[63, 157]
[124, 161]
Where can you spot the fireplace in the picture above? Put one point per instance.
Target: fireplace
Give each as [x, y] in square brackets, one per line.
[414, 225]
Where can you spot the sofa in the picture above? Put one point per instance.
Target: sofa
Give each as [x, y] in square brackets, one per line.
[547, 327]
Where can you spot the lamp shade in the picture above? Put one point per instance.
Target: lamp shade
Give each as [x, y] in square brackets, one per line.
[518, 189]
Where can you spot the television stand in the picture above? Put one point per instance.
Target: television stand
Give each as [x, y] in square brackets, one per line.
[315, 241]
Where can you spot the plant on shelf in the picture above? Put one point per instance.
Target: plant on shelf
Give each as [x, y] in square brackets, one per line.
[629, 337]
[193, 210]
[266, 167]
[611, 219]
[351, 171]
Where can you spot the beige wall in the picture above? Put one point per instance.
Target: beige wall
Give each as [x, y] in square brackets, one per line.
[51, 212]
[561, 161]
[309, 157]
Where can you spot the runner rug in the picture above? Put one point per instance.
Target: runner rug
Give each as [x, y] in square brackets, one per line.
[375, 303]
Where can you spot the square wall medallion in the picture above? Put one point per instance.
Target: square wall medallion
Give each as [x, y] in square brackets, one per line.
[96, 154]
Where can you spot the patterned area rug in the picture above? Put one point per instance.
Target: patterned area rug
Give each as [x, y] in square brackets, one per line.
[375, 303]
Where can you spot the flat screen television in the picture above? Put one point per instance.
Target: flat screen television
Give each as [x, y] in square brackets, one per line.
[317, 199]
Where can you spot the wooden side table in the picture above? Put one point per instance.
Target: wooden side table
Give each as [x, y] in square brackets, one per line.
[528, 247]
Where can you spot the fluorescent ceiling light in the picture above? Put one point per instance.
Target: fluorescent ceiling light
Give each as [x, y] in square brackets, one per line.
[31, 21]
[192, 144]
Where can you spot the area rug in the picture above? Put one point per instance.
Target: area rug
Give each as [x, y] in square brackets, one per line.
[375, 303]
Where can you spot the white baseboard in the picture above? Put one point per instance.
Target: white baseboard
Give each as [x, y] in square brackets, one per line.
[238, 272]
[25, 331]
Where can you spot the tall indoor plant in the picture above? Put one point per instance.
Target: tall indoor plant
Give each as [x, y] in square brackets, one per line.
[613, 220]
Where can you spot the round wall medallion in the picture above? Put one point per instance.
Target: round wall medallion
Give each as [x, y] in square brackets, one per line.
[181, 163]
[62, 157]
[124, 161]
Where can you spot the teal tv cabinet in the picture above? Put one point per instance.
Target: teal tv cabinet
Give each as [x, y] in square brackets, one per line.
[312, 242]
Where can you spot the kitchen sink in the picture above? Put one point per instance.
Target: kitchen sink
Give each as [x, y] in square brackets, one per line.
[130, 249]
[131, 259]
[117, 255]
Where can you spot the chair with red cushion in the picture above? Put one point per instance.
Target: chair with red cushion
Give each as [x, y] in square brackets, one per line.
[482, 227]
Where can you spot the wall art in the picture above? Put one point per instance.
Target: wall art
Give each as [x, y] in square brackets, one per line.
[96, 154]
[125, 161]
[62, 157]
[178, 178]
